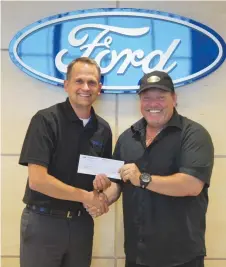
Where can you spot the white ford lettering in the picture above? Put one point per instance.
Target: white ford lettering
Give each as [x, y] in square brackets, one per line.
[135, 58]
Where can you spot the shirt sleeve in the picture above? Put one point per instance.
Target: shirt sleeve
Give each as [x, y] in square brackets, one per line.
[38, 144]
[107, 153]
[197, 154]
[116, 156]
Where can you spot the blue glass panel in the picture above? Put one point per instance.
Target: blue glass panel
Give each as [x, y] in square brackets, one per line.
[131, 41]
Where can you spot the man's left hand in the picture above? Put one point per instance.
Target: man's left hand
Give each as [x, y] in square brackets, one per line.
[130, 172]
[101, 182]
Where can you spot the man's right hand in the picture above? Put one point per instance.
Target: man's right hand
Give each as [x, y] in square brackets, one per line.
[98, 204]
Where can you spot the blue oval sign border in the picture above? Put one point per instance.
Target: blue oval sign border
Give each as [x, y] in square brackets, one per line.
[51, 20]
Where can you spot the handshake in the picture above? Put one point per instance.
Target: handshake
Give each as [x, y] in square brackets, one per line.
[97, 202]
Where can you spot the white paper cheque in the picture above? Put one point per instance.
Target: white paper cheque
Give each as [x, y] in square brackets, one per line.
[96, 165]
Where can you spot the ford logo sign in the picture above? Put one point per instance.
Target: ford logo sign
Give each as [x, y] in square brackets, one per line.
[126, 43]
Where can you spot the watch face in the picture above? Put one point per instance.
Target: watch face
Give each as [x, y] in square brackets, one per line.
[145, 177]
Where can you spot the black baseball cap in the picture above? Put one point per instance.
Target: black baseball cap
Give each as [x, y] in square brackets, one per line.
[156, 79]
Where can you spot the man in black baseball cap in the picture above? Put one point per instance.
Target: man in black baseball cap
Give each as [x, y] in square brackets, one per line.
[169, 160]
[165, 179]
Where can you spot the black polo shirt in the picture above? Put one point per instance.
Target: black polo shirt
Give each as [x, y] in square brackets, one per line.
[160, 230]
[55, 139]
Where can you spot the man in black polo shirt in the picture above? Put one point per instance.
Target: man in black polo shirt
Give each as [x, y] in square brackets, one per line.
[56, 230]
[169, 160]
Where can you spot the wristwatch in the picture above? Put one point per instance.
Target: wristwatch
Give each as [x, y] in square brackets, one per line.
[145, 179]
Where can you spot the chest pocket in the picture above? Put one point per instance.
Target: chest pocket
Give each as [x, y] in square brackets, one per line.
[96, 147]
[163, 156]
[92, 144]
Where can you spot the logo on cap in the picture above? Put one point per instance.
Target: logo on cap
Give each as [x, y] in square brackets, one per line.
[153, 79]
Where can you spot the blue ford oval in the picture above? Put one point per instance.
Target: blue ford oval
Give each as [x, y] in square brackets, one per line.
[125, 43]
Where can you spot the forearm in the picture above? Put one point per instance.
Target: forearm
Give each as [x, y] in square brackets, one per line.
[178, 185]
[53, 187]
[41, 181]
[113, 192]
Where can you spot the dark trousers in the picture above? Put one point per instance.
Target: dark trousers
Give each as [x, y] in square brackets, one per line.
[50, 241]
[198, 262]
